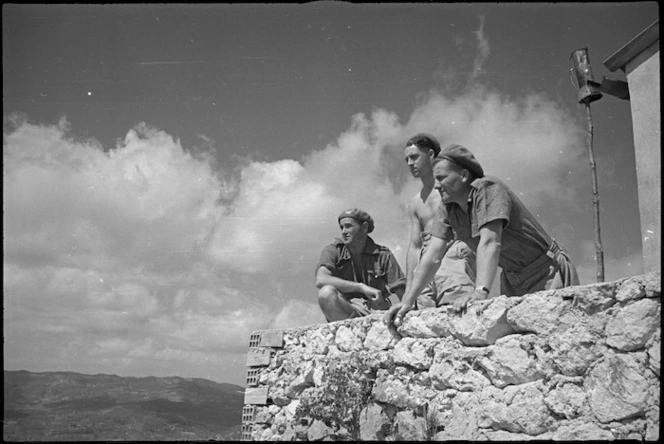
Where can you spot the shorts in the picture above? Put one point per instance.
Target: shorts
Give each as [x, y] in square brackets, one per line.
[454, 278]
[364, 307]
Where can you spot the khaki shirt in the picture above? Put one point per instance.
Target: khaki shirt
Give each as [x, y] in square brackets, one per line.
[378, 268]
[523, 238]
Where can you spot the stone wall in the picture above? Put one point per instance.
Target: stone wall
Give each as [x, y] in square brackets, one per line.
[572, 364]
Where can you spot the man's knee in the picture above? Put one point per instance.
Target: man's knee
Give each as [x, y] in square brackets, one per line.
[327, 294]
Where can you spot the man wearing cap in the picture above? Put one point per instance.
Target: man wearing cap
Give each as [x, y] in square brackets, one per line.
[483, 212]
[456, 274]
[355, 276]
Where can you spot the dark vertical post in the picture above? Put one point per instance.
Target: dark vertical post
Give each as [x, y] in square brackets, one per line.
[599, 251]
[587, 94]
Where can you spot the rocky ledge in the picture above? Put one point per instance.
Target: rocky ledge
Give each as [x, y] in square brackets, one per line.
[572, 364]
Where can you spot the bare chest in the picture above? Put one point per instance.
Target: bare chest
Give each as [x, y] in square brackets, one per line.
[427, 210]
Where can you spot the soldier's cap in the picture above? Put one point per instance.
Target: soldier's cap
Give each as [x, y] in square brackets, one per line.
[462, 157]
[359, 215]
[425, 141]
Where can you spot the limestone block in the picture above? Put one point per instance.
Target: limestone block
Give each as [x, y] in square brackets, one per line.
[428, 323]
[568, 400]
[502, 435]
[410, 427]
[334, 353]
[318, 431]
[574, 349]
[483, 322]
[278, 395]
[268, 377]
[630, 289]
[290, 410]
[617, 389]
[266, 435]
[288, 435]
[262, 415]
[456, 374]
[582, 431]
[652, 283]
[459, 421]
[633, 325]
[414, 352]
[538, 313]
[348, 339]
[521, 410]
[631, 429]
[291, 339]
[379, 337]
[508, 363]
[319, 376]
[374, 423]
[280, 421]
[318, 341]
[652, 425]
[298, 385]
[654, 352]
[592, 298]
[390, 390]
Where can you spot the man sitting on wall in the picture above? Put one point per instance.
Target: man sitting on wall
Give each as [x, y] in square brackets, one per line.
[355, 276]
[488, 216]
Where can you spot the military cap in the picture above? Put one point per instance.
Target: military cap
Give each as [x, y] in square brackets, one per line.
[426, 141]
[462, 157]
[359, 215]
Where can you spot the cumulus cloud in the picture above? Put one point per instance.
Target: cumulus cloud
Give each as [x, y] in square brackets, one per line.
[143, 240]
[150, 259]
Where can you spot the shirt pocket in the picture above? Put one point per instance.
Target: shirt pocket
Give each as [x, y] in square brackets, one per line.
[378, 279]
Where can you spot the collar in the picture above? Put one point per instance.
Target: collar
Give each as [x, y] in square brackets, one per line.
[474, 186]
[370, 248]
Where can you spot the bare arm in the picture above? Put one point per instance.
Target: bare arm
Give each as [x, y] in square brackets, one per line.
[424, 273]
[414, 245]
[325, 277]
[488, 254]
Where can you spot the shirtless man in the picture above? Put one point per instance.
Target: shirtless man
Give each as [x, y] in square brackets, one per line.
[456, 274]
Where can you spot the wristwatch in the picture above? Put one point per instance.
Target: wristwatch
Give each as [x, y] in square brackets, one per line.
[482, 288]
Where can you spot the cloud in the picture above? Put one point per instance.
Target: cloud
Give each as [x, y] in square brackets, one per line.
[150, 258]
[483, 50]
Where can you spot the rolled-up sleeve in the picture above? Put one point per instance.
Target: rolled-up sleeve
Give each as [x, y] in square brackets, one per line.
[491, 201]
[328, 259]
[440, 226]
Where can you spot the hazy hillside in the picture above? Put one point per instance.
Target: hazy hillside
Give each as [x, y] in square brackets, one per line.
[66, 406]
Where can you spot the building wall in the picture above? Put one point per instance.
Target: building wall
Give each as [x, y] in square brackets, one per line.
[643, 79]
[577, 363]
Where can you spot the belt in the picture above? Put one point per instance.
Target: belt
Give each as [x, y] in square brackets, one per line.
[517, 277]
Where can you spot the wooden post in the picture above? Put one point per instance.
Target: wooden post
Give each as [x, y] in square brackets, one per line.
[599, 251]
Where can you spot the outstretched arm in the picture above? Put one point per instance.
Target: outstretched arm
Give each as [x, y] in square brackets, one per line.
[414, 246]
[425, 272]
[488, 254]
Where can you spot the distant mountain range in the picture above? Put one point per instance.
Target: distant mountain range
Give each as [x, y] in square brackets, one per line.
[67, 406]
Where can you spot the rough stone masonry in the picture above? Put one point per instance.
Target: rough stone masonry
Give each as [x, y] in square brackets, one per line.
[577, 363]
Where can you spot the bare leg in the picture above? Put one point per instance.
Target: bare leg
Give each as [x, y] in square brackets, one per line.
[333, 304]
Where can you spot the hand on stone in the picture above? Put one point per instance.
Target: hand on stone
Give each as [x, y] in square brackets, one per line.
[393, 318]
[461, 303]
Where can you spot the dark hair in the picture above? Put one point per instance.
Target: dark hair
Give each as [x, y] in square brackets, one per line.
[426, 142]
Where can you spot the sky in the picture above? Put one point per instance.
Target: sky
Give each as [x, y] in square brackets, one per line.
[171, 173]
